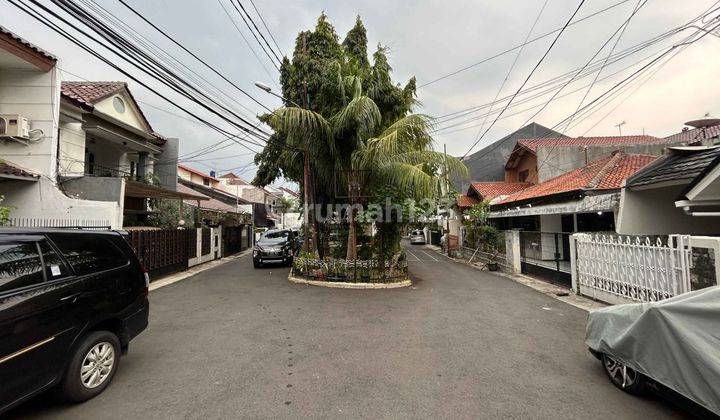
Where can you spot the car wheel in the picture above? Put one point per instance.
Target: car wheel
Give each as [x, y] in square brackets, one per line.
[92, 366]
[622, 376]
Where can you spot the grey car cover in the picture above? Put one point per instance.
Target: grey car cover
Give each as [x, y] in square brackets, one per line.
[676, 342]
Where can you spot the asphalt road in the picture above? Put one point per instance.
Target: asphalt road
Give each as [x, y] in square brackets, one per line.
[237, 342]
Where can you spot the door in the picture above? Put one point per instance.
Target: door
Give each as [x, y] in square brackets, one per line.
[36, 322]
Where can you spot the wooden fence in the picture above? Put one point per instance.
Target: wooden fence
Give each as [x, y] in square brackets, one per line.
[161, 251]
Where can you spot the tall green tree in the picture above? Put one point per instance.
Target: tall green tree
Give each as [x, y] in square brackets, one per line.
[353, 118]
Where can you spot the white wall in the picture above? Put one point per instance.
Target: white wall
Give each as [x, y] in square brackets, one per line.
[550, 223]
[72, 149]
[43, 201]
[653, 212]
[35, 95]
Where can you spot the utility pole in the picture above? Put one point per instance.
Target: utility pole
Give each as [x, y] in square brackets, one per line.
[619, 126]
[447, 193]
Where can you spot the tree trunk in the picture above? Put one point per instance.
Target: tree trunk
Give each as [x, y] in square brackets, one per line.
[352, 234]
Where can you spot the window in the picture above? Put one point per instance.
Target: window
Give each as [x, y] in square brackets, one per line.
[118, 104]
[55, 268]
[89, 254]
[523, 176]
[20, 265]
[206, 181]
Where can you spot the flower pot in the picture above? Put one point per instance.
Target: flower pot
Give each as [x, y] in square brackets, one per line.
[493, 266]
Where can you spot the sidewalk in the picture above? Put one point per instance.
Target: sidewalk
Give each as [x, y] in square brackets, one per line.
[174, 278]
[557, 292]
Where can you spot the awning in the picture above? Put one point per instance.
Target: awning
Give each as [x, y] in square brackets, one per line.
[587, 204]
[142, 190]
[11, 172]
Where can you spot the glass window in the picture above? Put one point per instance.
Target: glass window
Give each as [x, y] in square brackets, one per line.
[89, 254]
[20, 265]
[55, 268]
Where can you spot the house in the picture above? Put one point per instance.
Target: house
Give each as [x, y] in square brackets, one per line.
[679, 193]
[478, 192]
[49, 173]
[198, 177]
[582, 200]
[536, 160]
[221, 198]
[264, 202]
[108, 150]
[708, 134]
[487, 163]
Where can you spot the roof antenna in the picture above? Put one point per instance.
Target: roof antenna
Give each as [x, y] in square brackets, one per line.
[619, 126]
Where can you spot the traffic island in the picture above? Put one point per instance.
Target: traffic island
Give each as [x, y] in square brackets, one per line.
[351, 274]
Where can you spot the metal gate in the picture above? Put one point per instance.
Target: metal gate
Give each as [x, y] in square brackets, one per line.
[546, 255]
[620, 268]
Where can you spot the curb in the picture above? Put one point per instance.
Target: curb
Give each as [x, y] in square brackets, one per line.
[174, 278]
[345, 285]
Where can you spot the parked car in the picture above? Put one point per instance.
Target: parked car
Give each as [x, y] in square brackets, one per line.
[275, 246]
[70, 302]
[670, 345]
[417, 237]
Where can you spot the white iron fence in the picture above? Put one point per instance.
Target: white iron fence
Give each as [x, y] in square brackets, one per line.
[616, 269]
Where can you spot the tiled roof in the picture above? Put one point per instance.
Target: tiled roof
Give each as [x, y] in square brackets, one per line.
[490, 190]
[196, 172]
[604, 174]
[696, 134]
[463, 201]
[87, 94]
[27, 44]
[679, 164]
[210, 204]
[534, 144]
[10, 170]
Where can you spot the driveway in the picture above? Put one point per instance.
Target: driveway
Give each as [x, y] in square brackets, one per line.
[237, 342]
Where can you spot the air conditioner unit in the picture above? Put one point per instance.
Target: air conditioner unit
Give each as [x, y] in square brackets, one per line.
[14, 126]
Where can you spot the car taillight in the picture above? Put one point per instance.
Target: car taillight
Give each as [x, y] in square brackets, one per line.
[147, 279]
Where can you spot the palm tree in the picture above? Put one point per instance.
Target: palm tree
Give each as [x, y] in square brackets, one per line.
[402, 155]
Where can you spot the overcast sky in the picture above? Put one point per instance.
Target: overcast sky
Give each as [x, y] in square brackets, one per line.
[426, 39]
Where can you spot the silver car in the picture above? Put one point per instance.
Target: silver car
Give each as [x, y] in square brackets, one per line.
[417, 237]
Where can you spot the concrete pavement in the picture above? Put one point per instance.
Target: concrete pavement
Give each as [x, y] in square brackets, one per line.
[237, 342]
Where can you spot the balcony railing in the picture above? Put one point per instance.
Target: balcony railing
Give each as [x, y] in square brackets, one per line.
[107, 171]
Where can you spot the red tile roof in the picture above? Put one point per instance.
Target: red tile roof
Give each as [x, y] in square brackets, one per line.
[604, 174]
[696, 134]
[209, 204]
[463, 201]
[10, 170]
[490, 190]
[85, 94]
[196, 172]
[534, 144]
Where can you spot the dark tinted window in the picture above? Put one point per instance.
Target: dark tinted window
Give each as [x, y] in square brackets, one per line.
[55, 268]
[20, 265]
[89, 253]
[274, 237]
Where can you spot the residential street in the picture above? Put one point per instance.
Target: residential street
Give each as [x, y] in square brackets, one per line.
[237, 342]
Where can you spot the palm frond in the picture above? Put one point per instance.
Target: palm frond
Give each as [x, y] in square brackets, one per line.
[361, 113]
[302, 126]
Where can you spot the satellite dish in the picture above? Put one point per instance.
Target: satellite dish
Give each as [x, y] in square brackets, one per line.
[704, 123]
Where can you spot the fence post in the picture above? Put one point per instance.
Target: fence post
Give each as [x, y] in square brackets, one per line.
[573, 265]
[512, 250]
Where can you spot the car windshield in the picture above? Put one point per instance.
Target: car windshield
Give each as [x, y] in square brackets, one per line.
[274, 237]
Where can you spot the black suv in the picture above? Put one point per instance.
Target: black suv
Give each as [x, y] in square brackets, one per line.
[70, 302]
[275, 246]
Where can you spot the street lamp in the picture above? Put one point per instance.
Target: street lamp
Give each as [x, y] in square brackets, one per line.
[268, 89]
[306, 168]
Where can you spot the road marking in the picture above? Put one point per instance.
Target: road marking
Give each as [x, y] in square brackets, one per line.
[414, 256]
[433, 258]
